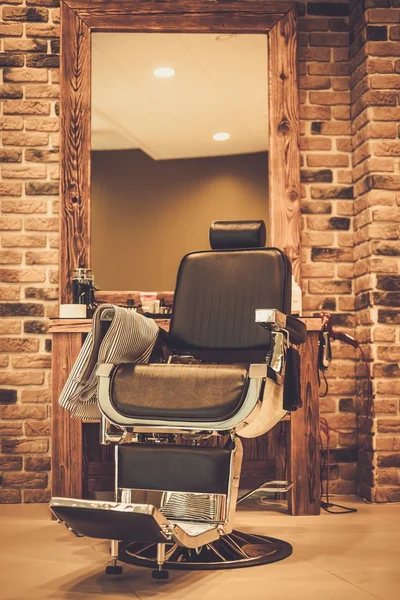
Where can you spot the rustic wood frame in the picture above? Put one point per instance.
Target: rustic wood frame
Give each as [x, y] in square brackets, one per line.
[80, 17]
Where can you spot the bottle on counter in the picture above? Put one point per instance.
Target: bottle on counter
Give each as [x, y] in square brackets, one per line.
[130, 303]
[297, 298]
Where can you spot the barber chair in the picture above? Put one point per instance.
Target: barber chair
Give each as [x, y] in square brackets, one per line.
[178, 424]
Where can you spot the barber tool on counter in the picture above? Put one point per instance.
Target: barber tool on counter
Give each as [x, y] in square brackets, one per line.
[153, 306]
[326, 335]
[83, 289]
[297, 298]
[150, 306]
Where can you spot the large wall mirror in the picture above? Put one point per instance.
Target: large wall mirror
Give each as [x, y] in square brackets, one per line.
[179, 139]
[174, 116]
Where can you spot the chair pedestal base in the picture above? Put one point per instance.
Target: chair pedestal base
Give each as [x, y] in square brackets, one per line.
[233, 551]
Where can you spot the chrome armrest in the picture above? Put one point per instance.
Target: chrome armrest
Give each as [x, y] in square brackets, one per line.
[262, 407]
[270, 318]
[273, 320]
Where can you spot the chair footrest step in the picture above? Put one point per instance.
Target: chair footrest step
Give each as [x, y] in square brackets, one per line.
[142, 523]
[112, 520]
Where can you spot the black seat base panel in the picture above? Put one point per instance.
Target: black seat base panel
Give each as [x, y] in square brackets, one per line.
[174, 468]
[234, 551]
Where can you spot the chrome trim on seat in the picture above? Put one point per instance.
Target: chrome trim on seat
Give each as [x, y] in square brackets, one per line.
[205, 536]
[277, 362]
[275, 322]
[244, 414]
[194, 507]
[267, 413]
[106, 437]
[143, 509]
[233, 485]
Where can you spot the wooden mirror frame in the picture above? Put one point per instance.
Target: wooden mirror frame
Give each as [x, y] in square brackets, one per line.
[79, 18]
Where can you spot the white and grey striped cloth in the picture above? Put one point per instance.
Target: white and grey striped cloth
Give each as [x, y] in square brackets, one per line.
[118, 335]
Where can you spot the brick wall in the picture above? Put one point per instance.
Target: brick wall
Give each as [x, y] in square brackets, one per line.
[375, 65]
[327, 208]
[350, 177]
[29, 238]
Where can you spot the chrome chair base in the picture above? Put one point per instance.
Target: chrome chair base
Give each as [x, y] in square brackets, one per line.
[233, 551]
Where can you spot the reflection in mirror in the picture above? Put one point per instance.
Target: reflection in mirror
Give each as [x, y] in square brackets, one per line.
[179, 139]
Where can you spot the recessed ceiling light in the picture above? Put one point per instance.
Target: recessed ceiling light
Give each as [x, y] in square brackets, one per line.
[224, 37]
[221, 137]
[164, 72]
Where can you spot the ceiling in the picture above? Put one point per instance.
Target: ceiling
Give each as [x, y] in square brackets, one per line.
[220, 85]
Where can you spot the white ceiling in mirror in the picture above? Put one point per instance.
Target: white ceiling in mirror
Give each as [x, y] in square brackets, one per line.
[220, 85]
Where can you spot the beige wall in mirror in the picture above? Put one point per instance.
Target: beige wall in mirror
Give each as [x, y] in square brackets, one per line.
[159, 177]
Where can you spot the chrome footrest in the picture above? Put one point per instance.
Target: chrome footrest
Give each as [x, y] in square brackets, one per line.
[142, 523]
[276, 487]
[112, 520]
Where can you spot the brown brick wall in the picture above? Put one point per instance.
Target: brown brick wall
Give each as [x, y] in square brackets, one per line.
[349, 105]
[29, 157]
[375, 67]
[327, 209]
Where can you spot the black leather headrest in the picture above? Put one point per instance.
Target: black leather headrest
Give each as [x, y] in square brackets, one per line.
[228, 235]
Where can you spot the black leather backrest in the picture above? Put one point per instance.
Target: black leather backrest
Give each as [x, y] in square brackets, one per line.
[217, 293]
[226, 235]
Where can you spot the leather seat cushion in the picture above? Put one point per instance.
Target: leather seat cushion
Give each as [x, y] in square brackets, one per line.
[191, 392]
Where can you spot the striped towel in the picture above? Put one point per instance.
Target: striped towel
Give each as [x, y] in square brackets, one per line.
[118, 335]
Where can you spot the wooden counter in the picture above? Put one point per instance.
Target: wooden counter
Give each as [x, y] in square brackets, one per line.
[81, 466]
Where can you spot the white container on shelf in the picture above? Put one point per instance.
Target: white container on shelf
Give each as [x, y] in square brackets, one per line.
[297, 298]
[73, 311]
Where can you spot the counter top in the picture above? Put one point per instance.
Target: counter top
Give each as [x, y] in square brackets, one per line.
[84, 325]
